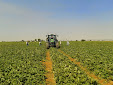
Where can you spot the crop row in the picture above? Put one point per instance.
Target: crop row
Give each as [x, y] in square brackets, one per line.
[20, 64]
[68, 73]
[97, 57]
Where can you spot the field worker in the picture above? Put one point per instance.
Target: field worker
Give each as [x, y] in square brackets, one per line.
[60, 42]
[68, 43]
[39, 42]
[27, 43]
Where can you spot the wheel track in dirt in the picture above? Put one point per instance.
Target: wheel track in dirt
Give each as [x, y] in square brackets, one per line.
[50, 75]
[98, 79]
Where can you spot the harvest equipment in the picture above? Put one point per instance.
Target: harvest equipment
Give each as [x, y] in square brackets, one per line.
[51, 41]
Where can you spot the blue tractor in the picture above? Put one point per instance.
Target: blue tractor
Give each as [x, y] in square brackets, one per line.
[51, 41]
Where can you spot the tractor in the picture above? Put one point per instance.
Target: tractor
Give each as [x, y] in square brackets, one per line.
[51, 41]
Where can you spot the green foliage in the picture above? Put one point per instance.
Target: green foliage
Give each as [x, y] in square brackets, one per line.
[20, 64]
[66, 72]
[35, 40]
[23, 41]
[39, 40]
[96, 56]
[83, 40]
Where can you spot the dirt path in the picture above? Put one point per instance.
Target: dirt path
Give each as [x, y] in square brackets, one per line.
[50, 76]
[98, 79]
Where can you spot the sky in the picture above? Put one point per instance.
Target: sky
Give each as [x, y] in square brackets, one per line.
[70, 19]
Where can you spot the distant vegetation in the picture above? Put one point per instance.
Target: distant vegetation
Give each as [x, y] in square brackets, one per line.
[83, 40]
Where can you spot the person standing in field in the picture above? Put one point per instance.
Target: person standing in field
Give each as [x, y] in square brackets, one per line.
[68, 43]
[27, 43]
[60, 42]
[39, 42]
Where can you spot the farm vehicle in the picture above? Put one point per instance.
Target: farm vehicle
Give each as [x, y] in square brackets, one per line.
[51, 41]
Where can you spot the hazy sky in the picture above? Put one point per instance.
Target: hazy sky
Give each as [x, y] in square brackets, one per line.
[70, 19]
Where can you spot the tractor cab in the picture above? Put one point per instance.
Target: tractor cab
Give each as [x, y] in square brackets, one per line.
[51, 41]
[51, 38]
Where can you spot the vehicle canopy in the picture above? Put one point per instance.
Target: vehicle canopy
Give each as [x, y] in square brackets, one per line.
[51, 41]
[52, 36]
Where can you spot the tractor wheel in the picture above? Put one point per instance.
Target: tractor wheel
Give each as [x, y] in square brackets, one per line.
[57, 45]
[47, 45]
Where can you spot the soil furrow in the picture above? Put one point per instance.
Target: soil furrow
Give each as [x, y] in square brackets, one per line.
[50, 76]
[100, 80]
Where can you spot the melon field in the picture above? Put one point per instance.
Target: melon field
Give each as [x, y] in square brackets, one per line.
[80, 63]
